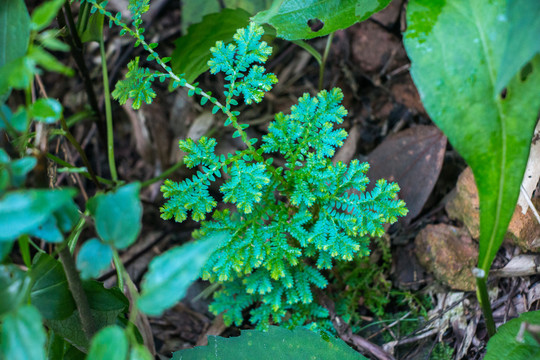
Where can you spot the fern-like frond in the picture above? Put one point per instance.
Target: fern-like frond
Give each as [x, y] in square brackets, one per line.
[200, 152]
[137, 85]
[246, 186]
[236, 60]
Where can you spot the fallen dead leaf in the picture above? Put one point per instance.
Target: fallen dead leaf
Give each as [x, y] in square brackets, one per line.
[413, 158]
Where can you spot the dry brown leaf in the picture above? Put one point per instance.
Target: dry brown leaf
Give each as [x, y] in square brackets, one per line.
[413, 158]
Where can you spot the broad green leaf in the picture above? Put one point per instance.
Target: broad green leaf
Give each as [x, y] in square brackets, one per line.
[140, 352]
[292, 18]
[13, 173]
[48, 111]
[23, 336]
[55, 346]
[455, 50]
[118, 215]
[522, 43]
[194, 11]
[14, 30]
[14, 285]
[8, 120]
[109, 343]
[192, 50]
[504, 344]
[105, 306]
[90, 26]
[94, 258]
[44, 14]
[276, 343]
[47, 231]
[171, 273]
[50, 290]
[17, 74]
[22, 211]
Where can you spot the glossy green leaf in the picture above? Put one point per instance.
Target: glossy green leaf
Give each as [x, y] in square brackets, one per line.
[522, 43]
[14, 30]
[109, 343]
[14, 285]
[106, 305]
[276, 343]
[505, 346]
[191, 54]
[455, 49]
[118, 215]
[48, 110]
[50, 290]
[292, 19]
[22, 211]
[23, 336]
[94, 258]
[44, 14]
[171, 273]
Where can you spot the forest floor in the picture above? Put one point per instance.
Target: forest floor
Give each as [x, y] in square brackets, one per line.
[411, 296]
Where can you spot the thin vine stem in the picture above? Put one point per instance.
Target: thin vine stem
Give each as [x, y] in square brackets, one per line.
[224, 108]
[108, 112]
[324, 58]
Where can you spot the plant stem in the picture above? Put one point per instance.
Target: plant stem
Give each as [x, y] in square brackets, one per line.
[76, 288]
[163, 175]
[483, 299]
[108, 111]
[80, 150]
[86, 174]
[76, 51]
[325, 56]
[119, 267]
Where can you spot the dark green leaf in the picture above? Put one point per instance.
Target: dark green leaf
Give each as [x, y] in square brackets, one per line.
[106, 305]
[192, 50]
[118, 215]
[492, 133]
[23, 336]
[48, 110]
[276, 343]
[14, 285]
[14, 30]
[94, 258]
[504, 344]
[109, 343]
[292, 19]
[45, 13]
[55, 347]
[171, 273]
[50, 291]
[5, 250]
[93, 31]
[22, 211]
[522, 43]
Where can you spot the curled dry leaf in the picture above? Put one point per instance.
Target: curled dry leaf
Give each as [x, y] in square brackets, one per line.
[413, 158]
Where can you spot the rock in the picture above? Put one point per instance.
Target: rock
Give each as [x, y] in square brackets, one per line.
[463, 205]
[373, 47]
[449, 253]
[389, 15]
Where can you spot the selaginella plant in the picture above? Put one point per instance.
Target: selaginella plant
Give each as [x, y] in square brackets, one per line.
[289, 223]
